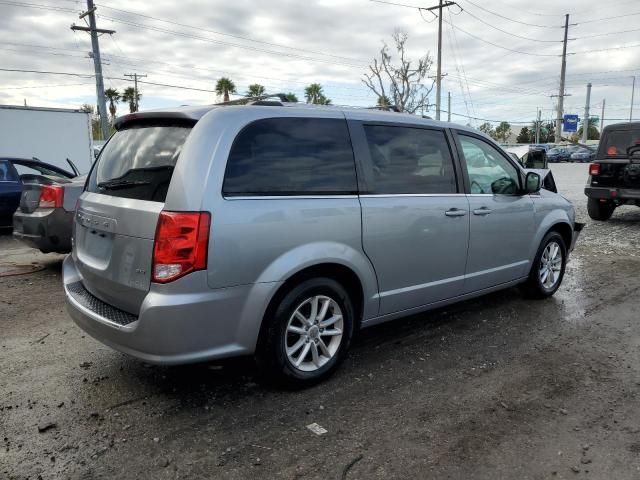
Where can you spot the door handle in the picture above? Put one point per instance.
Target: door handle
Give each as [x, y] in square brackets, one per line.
[455, 212]
[482, 211]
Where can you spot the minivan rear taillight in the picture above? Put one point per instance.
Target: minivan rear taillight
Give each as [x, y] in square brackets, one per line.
[51, 196]
[594, 169]
[181, 244]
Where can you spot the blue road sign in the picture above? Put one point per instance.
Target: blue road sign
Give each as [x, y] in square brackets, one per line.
[570, 123]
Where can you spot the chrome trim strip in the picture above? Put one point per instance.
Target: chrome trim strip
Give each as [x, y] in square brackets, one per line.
[287, 197]
[394, 195]
[449, 280]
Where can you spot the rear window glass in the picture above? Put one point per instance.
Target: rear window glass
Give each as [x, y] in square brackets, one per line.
[291, 156]
[617, 141]
[138, 162]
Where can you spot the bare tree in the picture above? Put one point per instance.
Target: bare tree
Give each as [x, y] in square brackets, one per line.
[404, 83]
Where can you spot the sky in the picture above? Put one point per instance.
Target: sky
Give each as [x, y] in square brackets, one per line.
[501, 59]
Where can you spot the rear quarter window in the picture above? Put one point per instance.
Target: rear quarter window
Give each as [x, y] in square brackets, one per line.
[291, 156]
[138, 162]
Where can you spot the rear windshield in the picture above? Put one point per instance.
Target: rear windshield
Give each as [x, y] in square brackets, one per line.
[617, 141]
[138, 162]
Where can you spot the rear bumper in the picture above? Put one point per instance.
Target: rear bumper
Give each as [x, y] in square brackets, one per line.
[612, 193]
[178, 323]
[47, 230]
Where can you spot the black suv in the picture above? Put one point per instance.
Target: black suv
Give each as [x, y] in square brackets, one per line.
[614, 175]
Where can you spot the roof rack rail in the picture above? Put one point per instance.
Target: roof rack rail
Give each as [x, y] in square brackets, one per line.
[259, 100]
[385, 108]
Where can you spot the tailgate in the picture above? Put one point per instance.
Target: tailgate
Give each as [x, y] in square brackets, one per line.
[117, 215]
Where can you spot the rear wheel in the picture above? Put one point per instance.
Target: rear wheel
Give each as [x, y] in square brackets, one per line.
[599, 210]
[308, 334]
[548, 267]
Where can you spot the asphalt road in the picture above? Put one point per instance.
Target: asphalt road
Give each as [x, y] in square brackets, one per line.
[498, 387]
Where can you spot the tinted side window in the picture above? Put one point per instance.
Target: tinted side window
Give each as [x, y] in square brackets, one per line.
[289, 156]
[410, 160]
[489, 171]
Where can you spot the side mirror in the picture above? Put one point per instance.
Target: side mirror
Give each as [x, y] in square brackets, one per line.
[532, 183]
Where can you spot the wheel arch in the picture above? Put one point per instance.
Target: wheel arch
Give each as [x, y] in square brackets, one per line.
[343, 274]
[565, 231]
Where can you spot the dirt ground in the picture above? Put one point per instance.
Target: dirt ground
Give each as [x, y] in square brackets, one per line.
[498, 387]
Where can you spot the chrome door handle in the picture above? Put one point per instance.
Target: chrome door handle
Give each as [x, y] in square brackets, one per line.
[482, 211]
[455, 212]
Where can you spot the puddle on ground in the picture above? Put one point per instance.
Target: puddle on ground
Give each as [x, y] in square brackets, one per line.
[9, 269]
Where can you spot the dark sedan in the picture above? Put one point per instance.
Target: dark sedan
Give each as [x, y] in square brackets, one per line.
[13, 174]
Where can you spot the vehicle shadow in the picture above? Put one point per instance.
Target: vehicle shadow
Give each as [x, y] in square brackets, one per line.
[483, 319]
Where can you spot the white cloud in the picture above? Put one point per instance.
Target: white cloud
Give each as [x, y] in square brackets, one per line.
[336, 37]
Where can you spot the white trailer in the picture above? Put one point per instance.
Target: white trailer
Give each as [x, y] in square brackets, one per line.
[49, 134]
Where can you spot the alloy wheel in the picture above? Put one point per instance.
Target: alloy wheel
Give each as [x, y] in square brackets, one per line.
[314, 333]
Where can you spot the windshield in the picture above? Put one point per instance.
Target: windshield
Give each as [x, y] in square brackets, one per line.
[617, 141]
[138, 162]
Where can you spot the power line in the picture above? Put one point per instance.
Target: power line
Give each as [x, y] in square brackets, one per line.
[220, 42]
[509, 33]
[606, 34]
[511, 19]
[38, 6]
[607, 18]
[272, 44]
[47, 86]
[83, 75]
[500, 46]
[606, 49]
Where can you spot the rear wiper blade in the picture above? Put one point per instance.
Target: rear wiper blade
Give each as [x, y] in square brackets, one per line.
[115, 185]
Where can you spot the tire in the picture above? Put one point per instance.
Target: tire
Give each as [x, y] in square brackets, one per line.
[600, 211]
[280, 347]
[538, 285]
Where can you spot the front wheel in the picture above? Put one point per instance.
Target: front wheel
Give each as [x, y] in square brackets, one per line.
[598, 210]
[308, 334]
[548, 267]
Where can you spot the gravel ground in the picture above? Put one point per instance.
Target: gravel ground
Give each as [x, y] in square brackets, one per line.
[498, 387]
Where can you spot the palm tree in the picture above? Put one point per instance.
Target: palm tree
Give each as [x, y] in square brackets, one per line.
[322, 100]
[313, 93]
[383, 101]
[114, 96]
[129, 96]
[255, 90]
[224, 87]
[291, 97]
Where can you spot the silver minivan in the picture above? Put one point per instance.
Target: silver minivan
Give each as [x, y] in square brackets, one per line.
[278, 230]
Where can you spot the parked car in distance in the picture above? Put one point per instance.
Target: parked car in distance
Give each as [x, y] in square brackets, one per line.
[540, 146]
[584, 154]
[556, 155]
[279, 230]
[13, 173]
[614, 175]
[44, 219]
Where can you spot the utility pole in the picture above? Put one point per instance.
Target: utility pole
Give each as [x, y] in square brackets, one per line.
[449, 107]
[563, 71]
[135, 77]
[538, 126]
[585, 123]
[439, 7]
[633, 91]
[93, 31]
[602, 116]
